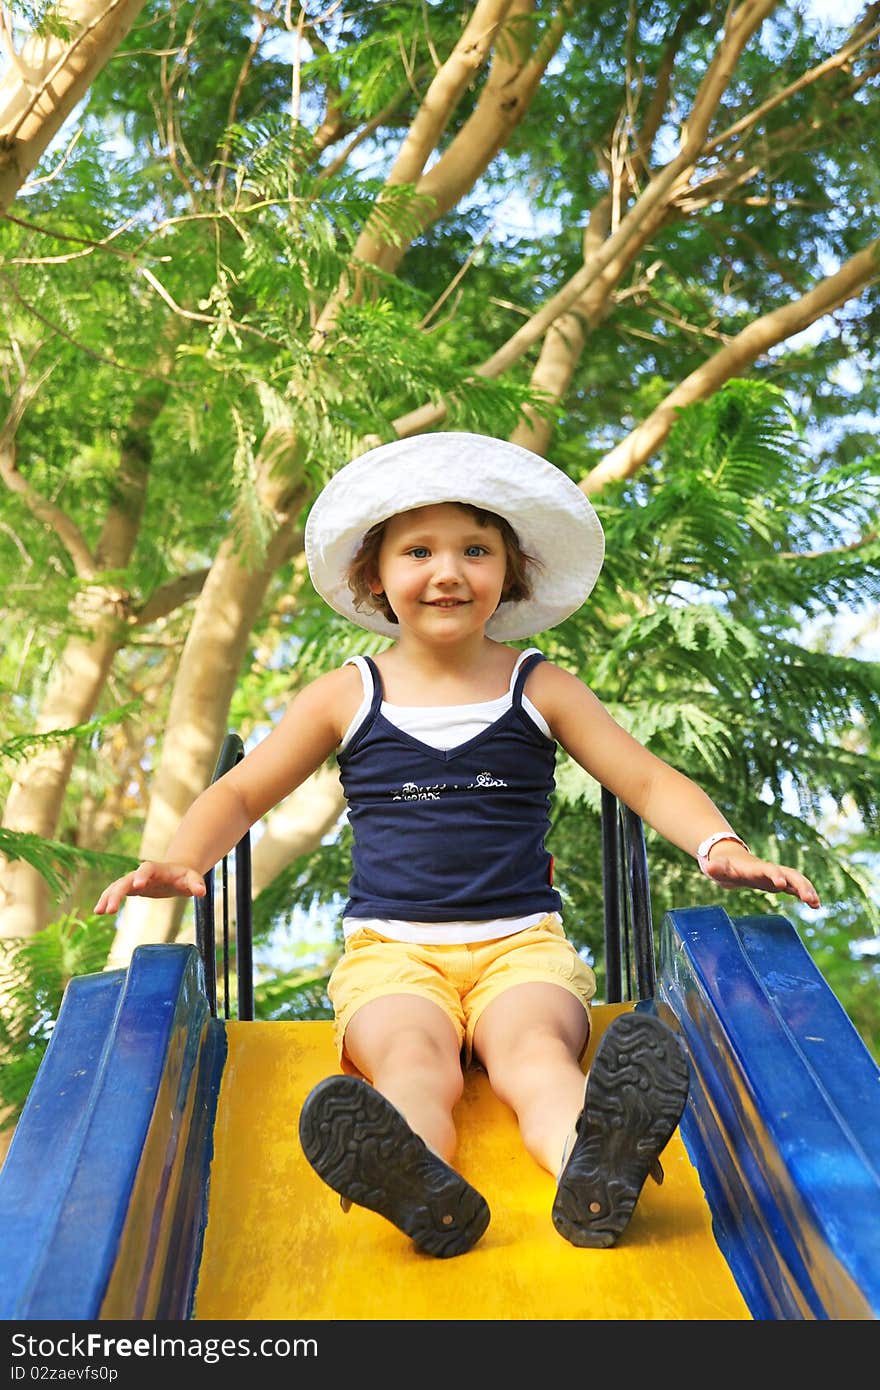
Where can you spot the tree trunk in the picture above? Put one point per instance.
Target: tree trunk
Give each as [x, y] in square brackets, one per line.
[37, 793]
[123, 786]
[296, 826]
[564, 341]
[49, 76]
[225, 613]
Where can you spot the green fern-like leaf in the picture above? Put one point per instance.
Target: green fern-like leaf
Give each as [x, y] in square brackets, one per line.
[294, 995]
[23, 746]
[34, 973]
[57, 862]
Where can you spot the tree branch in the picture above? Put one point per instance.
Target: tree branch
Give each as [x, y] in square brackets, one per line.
[33, 111]
[82, 347]
[363, 133]
[435, 112]
[57, 520]
[563, 343]
[223, 156]
[734, 358]
[869, 538]
[662, 188]
[502, 104]
[171, 596]
[864, 35]
[421, 139]
[200, 318]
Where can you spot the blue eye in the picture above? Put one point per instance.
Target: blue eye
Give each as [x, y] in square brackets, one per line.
[419, 552]
[474, 550]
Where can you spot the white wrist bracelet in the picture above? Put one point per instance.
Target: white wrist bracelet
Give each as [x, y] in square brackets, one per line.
[705, 847]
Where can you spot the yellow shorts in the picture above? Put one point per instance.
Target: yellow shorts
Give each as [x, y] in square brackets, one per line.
[462, 979]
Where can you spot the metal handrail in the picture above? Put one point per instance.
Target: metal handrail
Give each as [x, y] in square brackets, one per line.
[231, 753]
[628, 926]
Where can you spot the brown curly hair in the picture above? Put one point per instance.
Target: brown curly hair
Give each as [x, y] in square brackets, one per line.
[364, 568]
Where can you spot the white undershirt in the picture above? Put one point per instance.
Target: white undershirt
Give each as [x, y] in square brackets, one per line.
[442, 726]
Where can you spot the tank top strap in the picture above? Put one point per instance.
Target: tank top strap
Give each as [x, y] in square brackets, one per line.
[522, 675]
[376, 701]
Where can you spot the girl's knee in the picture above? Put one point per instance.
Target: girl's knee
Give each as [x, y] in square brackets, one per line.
[402, 1032]
[422, 1057]
[528, 1065]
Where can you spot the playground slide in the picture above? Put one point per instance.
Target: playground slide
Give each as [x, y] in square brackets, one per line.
[265, 1203]
[155, 1173]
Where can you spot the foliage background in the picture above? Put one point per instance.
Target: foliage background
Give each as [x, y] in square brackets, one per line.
[223, 280]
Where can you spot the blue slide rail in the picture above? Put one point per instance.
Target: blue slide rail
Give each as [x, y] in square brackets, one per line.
[103, 1196]
[783, 1118]
[103, 1192]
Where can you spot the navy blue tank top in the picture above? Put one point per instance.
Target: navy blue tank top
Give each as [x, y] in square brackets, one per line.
[445, 835]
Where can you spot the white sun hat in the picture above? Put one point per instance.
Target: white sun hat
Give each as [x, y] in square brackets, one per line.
[552, 518]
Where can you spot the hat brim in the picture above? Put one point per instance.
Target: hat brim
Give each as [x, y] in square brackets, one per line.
[551, 516]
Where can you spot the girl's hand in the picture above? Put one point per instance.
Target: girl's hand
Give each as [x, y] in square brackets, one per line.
[732, 866]
[151, 880]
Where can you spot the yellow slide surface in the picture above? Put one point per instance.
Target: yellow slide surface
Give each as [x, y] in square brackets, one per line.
[278, 1246]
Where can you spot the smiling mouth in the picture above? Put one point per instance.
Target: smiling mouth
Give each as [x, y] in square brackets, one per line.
[446, 602]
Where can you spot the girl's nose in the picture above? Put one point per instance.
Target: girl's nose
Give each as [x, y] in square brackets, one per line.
[448, 569]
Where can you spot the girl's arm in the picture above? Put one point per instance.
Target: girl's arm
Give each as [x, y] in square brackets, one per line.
[664, 798]
[218, 818]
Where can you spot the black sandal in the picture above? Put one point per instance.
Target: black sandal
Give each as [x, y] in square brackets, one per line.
[636, 1091]
[363, 1148]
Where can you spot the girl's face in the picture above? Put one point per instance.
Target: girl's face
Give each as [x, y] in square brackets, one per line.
[441, 571]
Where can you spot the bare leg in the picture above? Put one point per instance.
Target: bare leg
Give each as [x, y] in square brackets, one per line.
[408, 1049]
[530, 1040]
[384, 1145]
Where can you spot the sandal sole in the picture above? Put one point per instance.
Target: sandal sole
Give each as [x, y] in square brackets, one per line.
[362, 1147]
[636, 1091]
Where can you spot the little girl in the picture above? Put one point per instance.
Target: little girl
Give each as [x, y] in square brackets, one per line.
[454, 545]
